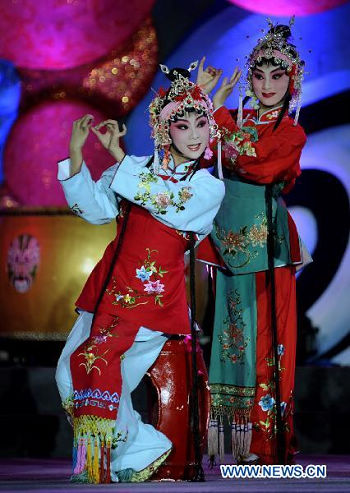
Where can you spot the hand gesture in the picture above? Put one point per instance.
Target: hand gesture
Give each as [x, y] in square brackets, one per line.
[226, 88]
[110, 138]
[207, 78]
[80, 132]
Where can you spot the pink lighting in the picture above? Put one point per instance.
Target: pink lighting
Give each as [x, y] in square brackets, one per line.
[59, 34]
[37, 141]
[286, 7]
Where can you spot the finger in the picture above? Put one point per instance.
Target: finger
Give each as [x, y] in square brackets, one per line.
[123, 132]
[233, 76]
[86, 121]
[224, 82]
[237, 76]
[218, 75]
[201, 64]
[105, 123]
[114, 122]
[98, 134]
[86, 118]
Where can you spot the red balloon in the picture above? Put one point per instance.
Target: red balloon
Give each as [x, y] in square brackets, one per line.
[286, 7]
[38, 140]
[59, 34]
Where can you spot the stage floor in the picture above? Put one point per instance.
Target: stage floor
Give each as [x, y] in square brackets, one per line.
[50, 475]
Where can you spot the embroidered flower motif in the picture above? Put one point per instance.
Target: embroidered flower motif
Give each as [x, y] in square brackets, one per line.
[280, 350]
[134, 297]
[154, 287]
[239, 247]
[234, 241]
[272, 116]
[162, 199]
[232, 340]
[185, 194]
[230, 151]
[239, 143]
[91, 359]
[143, 274]
[100, 339]
[258, 235]
[266, 402]
[283, 407]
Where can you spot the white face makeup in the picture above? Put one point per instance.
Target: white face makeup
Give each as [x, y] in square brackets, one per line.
[270, 84]
[190, 136]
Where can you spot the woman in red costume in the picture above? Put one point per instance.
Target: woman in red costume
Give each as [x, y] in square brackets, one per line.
[136, 295]
[261, 153]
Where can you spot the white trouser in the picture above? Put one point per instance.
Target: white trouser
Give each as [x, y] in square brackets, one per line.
[144, 443]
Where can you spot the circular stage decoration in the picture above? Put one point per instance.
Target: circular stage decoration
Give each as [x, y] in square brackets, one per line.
[115, 84]
[58, 34]
[37, 141]
[124, 79]
[286, 7]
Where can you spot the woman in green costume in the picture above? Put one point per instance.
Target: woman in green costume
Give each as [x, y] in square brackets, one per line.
[261, 153]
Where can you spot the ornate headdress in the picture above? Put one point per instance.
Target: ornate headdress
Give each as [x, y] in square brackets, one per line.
[276, 47]
[167, 105]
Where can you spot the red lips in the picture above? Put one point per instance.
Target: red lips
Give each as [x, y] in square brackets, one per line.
[268, 94]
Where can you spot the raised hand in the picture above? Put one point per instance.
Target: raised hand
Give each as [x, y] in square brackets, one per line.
[80, 132]
[226, 88]
[207, 78]
[111, 138]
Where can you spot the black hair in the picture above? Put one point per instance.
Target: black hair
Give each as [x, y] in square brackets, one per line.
[174, 72]
[188, 109]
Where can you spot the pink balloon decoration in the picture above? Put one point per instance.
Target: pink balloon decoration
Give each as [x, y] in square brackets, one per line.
[115, 84]
[59, 34]
[37, 141]
[286, 7]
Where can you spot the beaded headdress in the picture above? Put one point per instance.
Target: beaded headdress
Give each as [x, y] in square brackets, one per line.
[167, 105]
[275, 46]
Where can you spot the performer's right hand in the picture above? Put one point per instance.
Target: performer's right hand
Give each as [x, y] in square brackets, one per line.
[110, 139]
[80, 132]
[207, 78]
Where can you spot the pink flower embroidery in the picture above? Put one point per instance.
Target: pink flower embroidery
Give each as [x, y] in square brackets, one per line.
[230, 151]
[163, 199]
[154, 287]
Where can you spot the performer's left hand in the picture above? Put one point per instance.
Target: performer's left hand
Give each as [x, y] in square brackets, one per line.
[226, 88]
[111, 138]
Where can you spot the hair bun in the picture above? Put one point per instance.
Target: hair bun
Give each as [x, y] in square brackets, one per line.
[282, 30]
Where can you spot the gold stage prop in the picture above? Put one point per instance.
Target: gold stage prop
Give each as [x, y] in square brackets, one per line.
[46, 256]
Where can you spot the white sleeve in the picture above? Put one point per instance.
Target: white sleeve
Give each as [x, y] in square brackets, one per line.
[93, 201]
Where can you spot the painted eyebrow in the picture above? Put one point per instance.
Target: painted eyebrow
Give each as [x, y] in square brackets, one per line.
[272, 71]
[187, 121]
